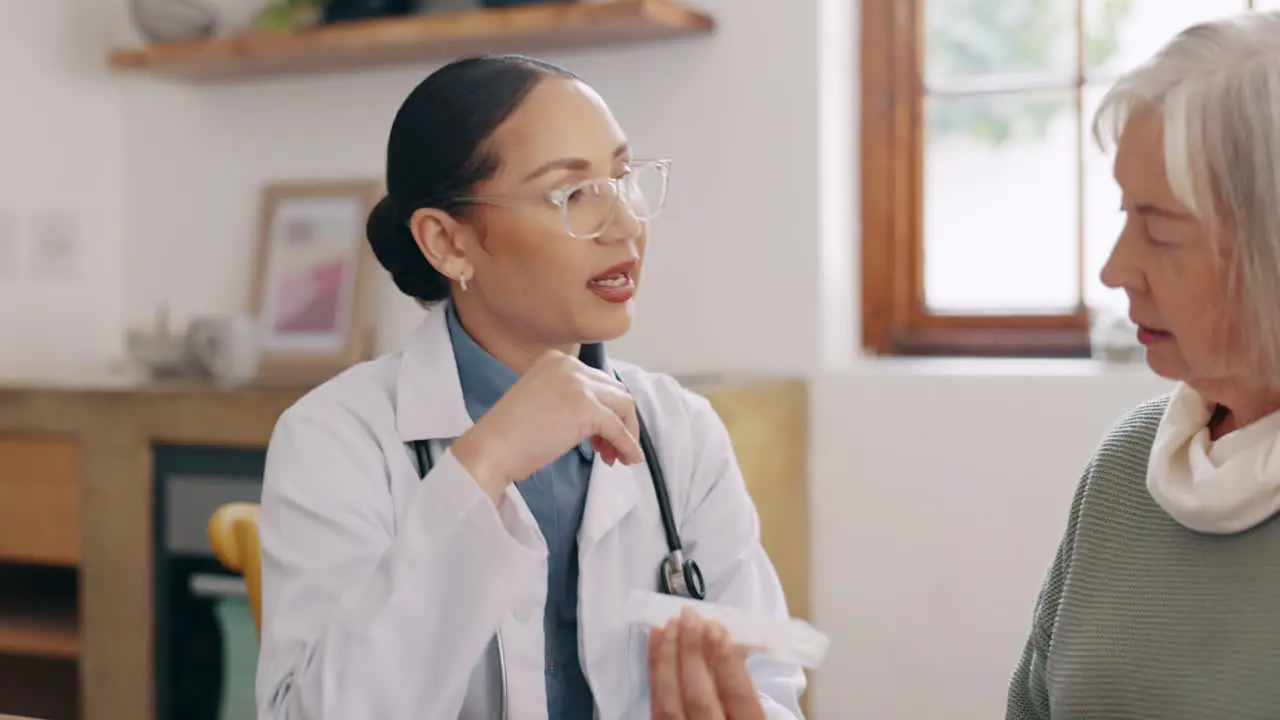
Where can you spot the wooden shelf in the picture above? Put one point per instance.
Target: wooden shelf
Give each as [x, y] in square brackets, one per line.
[38, 615]
[40, 633]
[422, 37]
[39, 688]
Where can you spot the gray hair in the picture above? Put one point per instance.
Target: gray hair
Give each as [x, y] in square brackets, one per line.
[1217, 87]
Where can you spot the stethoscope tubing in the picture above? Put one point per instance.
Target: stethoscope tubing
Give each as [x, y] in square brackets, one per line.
[675, 560]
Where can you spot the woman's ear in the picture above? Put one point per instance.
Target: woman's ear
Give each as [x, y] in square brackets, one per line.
[441, 239]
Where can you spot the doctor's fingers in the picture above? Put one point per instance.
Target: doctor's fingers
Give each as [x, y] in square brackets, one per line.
[665, 699]
[728, 662]
[560, 363]
[602, 376]
[615, 397]
[620, 438]
[697, 683]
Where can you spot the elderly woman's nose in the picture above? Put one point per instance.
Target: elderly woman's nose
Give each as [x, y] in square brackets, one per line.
[1125, 268]
[1111, 276]
[1119, 271]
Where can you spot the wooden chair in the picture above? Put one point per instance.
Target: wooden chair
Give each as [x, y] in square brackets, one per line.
[233, 535]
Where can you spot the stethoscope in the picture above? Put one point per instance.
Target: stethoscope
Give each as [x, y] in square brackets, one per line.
[678, 575]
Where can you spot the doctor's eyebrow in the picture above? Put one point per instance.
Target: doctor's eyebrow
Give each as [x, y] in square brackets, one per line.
[573, 164]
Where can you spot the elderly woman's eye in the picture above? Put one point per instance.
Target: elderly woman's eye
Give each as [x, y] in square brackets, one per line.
[1160, 237]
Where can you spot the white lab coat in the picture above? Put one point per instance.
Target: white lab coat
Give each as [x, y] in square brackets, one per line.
[387, 598]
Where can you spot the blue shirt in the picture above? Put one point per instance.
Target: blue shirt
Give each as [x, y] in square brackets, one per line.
[556, 495]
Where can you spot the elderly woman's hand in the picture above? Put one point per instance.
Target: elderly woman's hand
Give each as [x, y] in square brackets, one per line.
[696, 673]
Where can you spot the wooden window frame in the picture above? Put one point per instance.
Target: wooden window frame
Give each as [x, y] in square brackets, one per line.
[895, 319]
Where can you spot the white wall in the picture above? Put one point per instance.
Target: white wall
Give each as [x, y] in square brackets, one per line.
[747, 269]
[60, 131]
[939, 488]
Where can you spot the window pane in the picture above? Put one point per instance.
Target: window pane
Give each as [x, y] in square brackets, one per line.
[1000, 203]
[966, 38]
[1123, 33]
[1102, 217]
[1266, 4]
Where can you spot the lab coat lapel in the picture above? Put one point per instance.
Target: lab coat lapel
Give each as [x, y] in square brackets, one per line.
[429, 404]
[604, 636]
[612, 494]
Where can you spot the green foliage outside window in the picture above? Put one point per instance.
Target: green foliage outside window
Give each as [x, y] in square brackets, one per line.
[967, 38]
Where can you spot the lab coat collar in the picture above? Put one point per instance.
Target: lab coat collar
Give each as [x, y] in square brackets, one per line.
[429, 404]
[613, 492]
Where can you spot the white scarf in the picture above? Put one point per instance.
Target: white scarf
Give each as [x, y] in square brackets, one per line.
[1221, 487]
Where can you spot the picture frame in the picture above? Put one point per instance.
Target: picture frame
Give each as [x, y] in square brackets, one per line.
[311, 291]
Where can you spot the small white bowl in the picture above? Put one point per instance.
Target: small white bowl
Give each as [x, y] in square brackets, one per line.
[161, 355]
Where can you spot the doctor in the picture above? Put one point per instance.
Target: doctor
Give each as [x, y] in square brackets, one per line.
[494, 586]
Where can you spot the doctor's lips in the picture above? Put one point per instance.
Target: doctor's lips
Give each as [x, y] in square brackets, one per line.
[615, 284]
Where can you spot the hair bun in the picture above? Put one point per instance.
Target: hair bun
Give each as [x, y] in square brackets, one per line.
[397, 251]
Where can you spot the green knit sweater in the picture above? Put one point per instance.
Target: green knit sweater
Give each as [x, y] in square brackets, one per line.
[1141, 618]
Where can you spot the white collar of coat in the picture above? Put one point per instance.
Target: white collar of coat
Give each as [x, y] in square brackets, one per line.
[429, 404]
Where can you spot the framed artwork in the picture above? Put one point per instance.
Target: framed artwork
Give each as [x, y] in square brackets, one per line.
[311, 292]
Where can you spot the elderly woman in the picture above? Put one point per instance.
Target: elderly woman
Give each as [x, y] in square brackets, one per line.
[1163, 601]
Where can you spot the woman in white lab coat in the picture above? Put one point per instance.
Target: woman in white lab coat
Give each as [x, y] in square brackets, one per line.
[494, 587]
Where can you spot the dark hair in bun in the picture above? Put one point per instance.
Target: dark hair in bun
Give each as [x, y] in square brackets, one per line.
[438, 151]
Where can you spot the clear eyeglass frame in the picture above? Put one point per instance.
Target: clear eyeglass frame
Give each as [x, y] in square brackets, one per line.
[596, 205]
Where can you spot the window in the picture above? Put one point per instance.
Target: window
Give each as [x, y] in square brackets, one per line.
[987, 210]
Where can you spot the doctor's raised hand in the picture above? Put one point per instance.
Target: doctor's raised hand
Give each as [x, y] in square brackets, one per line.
[554, 406]
[452, 531]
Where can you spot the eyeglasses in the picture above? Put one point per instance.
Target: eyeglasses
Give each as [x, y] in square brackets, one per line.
[590, 206]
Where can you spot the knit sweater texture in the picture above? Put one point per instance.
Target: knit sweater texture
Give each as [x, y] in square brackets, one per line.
[1141, 618]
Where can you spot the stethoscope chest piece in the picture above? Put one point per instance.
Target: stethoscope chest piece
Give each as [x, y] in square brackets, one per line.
[682, 578]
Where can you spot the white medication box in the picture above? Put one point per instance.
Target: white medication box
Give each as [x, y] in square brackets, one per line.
[788, 639]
